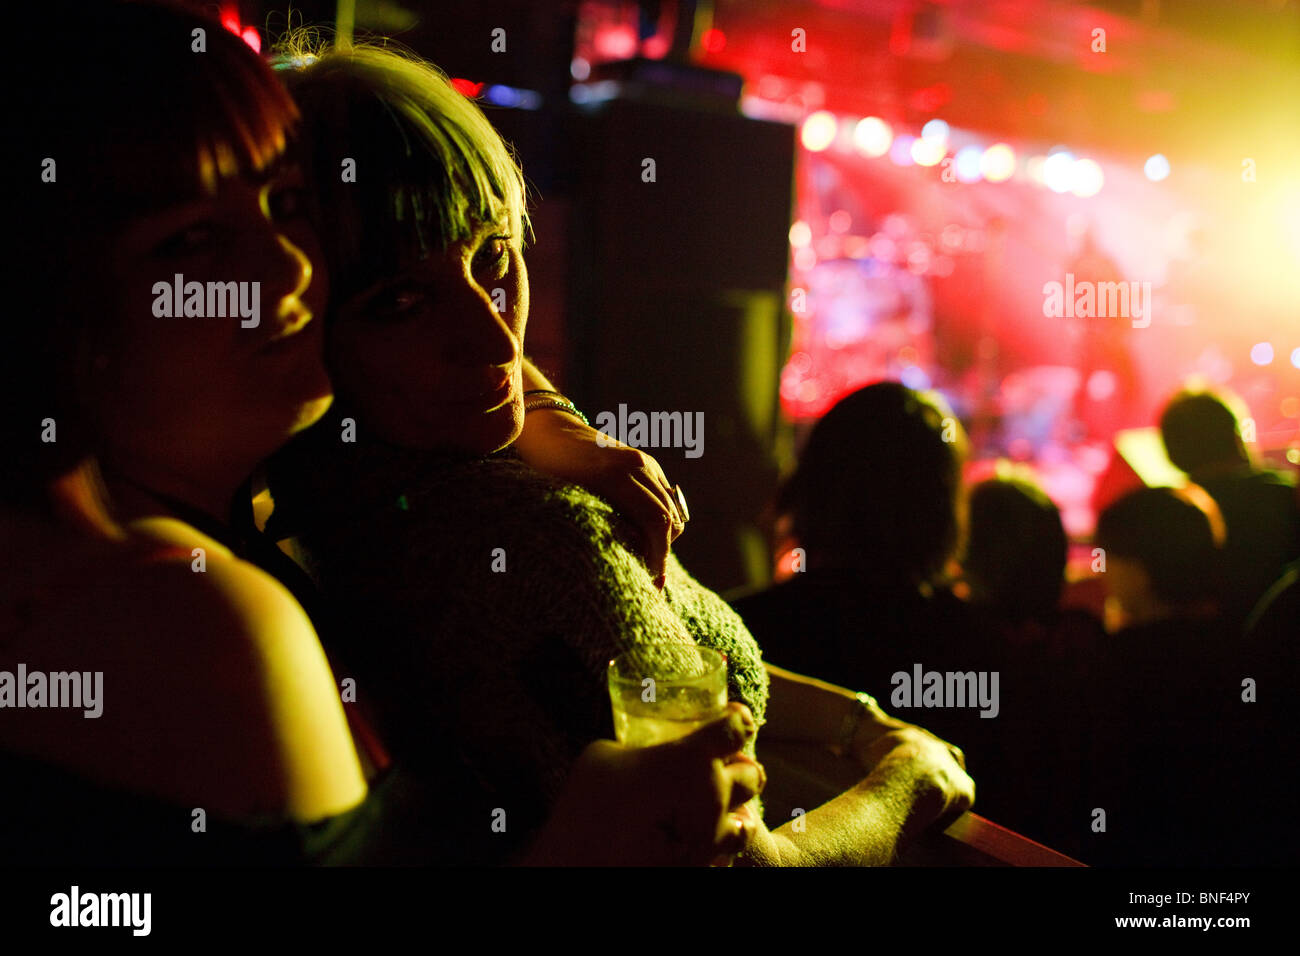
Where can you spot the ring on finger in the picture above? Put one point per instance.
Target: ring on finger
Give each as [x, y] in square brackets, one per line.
[680, 497]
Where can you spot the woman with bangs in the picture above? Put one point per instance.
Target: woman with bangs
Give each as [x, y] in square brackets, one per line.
[479, 601]
[130, 435]
[216, 732]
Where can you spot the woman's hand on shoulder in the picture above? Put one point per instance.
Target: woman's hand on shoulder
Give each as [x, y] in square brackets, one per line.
[681, 803]
[556, 443]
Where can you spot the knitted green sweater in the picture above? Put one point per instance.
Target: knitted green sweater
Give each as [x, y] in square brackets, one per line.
[478, 604]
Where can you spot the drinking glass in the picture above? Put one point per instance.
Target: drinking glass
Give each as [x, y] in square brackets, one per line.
[664, 691]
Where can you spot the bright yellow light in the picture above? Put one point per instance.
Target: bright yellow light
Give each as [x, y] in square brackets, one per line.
[998, 163]
[927, 152]
[800, 234]
[872, 136]
[1087, 177]
[819, 131]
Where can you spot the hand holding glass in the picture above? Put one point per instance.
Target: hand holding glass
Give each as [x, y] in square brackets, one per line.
[661, 692]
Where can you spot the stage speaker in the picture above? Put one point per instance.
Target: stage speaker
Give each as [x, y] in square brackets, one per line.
[678, 264]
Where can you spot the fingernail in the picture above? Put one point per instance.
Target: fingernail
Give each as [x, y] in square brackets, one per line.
[736, 727]
[742, 726]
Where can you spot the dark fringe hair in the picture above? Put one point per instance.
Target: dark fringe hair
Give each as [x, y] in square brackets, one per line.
[134, 119]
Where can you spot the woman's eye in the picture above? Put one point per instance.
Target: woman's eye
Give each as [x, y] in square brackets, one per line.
[397, 303]
[496, 255]
[193, 238]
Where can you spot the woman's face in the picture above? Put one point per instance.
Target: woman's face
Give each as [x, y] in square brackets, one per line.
[205, 391]
[425, 357]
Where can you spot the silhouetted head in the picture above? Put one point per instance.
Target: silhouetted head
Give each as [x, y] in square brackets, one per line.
[878, 486]
[1016, 547]
[1163, 551]
[1202, 428]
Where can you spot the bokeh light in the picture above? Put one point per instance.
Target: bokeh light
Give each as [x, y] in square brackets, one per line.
[901, 151]
[1101, 385]
[819, 131]
[1087, 178]
[872, 136]
[713, 40]
[935, 131]
[966, 164]
[914, 377]
[998, 163]
[1058, 171]
[1156, 167]
[928, 152]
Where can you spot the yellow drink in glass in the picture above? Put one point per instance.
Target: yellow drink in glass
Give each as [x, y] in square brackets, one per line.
[660, 692]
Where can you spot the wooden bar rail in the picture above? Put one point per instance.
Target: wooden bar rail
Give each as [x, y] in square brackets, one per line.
[801, 775]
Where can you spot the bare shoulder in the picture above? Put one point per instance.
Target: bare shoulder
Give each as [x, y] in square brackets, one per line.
[214, 690]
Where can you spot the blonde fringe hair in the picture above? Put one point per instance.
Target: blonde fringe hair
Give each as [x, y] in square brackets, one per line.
[443, 169]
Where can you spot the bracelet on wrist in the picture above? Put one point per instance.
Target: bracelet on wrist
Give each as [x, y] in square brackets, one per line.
[545, 398]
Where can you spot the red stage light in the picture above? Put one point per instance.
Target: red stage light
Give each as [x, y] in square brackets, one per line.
[616, 42]
[713, 40]
[930, 99]
[466, 87]
[230, 20]
[656, 47]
